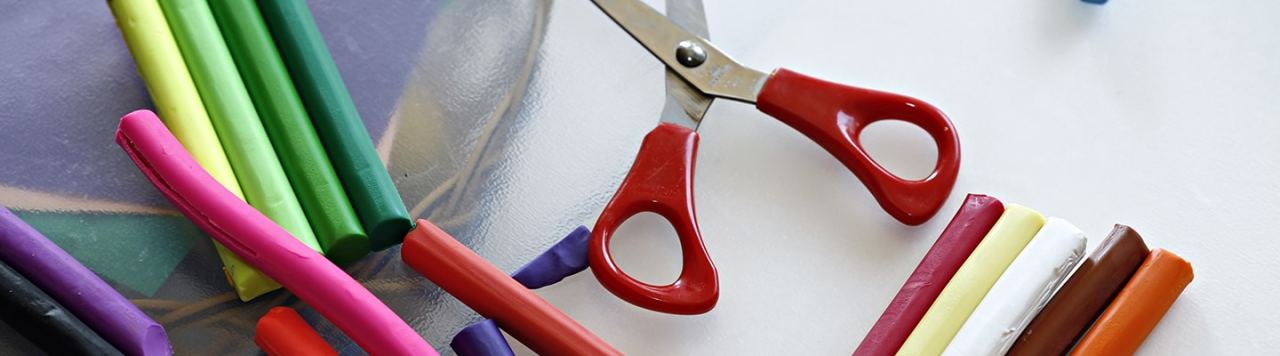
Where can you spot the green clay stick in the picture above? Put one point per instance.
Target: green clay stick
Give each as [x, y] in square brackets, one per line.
[240, 130]
[160, 64]
[291, 131]
[335, 117]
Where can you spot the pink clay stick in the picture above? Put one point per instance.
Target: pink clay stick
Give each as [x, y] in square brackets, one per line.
[262, 243]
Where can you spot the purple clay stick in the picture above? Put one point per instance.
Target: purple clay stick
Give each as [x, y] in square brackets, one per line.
[566, 258]
[79, 289]
[481, 339]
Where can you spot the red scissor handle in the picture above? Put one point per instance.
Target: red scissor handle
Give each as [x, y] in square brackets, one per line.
[661, 182]
[833, 115]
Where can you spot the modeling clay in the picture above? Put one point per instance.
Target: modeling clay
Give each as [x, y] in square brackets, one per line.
[295, 140]
[1084, 296]
[282, 332]
[1022, 290]
[262, 243]
[174, 94]
[39, 318]
[239, 130]
[334, 115]
[481, 339]
[80, 290]
[1007, 237]
[974, 219]
[172, 90]
[484, 288]
[566, 258]
[1139, 307]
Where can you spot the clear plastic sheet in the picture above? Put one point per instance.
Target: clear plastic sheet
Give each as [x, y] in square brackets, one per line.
[507, 123]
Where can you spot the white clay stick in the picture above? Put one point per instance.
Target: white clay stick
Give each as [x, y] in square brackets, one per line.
[1024, 288]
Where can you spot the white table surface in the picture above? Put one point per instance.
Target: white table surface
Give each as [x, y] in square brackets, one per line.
[1156, 114]
[517, 119]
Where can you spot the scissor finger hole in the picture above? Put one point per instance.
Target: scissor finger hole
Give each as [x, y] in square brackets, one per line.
[647, 248]
[902, 148]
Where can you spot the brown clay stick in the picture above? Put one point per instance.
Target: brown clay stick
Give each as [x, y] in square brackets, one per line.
[1084, 296]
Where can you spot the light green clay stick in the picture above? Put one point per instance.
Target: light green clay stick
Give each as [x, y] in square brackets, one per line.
[239, 129]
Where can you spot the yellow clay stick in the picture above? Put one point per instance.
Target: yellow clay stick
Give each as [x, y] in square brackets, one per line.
[161, 65]
[1007, 237]
[174, 94]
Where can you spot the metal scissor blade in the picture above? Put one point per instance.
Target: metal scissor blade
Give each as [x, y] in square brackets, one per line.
[685, 104]
[689, 15]
[718, 75]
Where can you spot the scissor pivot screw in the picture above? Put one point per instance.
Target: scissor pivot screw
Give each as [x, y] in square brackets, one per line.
[690, 54]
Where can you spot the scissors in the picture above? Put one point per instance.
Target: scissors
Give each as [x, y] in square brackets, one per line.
[661, 179]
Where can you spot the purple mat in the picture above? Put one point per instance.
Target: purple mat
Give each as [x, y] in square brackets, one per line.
[73, 78]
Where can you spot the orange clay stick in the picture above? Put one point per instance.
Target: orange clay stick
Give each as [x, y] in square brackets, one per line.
[282, 332]
[1139, 306]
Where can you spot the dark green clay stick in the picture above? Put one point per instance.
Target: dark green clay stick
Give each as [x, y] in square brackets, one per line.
[336, 119]
[291, 131]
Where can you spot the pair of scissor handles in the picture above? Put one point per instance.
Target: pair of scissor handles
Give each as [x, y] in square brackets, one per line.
[661, 179]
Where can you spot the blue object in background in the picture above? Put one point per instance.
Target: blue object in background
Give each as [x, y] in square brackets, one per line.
[1097, 2]
[566, 258]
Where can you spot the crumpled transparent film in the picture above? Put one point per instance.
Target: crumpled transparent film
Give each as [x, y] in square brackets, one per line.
[507, 123]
